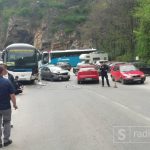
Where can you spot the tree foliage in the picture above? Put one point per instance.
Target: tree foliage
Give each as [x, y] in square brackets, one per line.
[143, 30]
[110, 27]
[119, 27]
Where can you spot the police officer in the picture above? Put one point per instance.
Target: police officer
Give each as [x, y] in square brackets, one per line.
[103, 72]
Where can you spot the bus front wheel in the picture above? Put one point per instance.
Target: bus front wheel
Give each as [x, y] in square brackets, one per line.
[32, 82]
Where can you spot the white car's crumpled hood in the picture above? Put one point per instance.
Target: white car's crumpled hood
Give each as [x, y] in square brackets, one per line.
[58, 70]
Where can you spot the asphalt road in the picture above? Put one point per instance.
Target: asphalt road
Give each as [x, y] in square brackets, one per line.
[68, 116]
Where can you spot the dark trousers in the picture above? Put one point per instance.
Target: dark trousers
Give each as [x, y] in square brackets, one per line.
[106, 77]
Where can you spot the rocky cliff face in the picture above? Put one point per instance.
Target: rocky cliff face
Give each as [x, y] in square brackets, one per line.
[20, 30]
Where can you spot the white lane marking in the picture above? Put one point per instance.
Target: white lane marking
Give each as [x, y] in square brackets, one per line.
[127, 109]
[131, 111]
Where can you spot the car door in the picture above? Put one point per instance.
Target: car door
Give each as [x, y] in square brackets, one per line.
[47, 73]
[43, 72]
[116, 73]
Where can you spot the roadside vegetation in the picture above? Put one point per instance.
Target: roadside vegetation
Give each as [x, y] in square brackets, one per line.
[119, 27]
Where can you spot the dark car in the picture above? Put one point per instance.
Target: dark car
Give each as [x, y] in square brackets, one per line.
[64, 65]
[54, 73]
[142, 67]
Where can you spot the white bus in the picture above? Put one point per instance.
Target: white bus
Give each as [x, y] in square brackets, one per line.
[22, 60]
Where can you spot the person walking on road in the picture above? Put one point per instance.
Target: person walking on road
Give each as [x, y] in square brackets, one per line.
[103, 72]
[6, 94]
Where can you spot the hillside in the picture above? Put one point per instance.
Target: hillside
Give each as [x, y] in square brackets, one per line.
[112, 26]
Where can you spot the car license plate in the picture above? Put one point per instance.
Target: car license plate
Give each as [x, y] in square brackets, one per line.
[88, 79]
[137, 79]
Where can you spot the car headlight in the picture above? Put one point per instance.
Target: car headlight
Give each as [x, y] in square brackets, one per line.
[142, 75]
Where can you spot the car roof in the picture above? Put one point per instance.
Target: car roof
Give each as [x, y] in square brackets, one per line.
[123, 64]
[87, 66]
[117, 63]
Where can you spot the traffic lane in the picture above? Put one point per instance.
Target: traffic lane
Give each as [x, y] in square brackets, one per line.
[134, 97]
[76, 118]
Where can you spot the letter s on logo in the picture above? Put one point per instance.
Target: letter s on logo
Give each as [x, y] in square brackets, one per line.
[121, 134]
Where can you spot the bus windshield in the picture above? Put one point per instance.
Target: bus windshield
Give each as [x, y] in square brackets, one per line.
[19, 57]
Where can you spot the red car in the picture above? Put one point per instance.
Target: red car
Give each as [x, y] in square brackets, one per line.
[127, 73]
[87, 74]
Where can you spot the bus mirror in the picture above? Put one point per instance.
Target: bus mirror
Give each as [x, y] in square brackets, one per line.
[3, 56]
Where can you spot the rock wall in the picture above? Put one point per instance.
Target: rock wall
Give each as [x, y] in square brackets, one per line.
[20, 31]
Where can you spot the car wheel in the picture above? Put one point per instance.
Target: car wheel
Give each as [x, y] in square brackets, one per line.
[51, 79]
[32, 81]
[123, 81]
[113, 79]
[60, 78]
[142, 82]
[42, 78]
[97, 81]
[79, 82]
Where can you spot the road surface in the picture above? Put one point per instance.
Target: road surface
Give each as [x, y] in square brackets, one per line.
[68, 116]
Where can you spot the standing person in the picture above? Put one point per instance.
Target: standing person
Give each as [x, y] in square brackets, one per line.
[9, 76]
[103, 71]
[6, 94]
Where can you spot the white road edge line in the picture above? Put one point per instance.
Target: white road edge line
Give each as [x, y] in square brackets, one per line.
[124, 107]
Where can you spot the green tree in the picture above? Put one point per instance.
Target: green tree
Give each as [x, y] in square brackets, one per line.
[110, 26]
[143, 30]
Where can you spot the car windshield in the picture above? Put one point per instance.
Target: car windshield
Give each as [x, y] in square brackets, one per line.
[87, 66]
[126, 68]
[86, 69]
